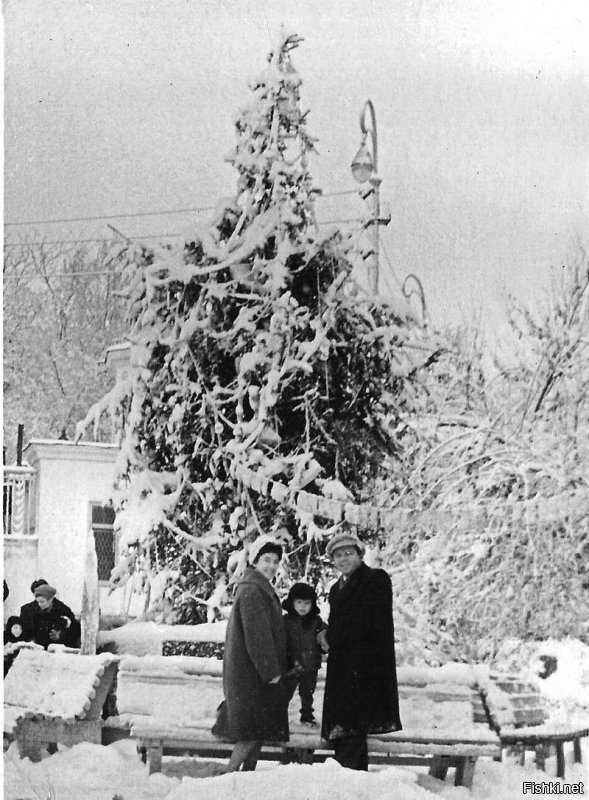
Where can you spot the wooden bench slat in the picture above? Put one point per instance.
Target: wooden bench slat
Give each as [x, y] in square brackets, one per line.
[446, 734]
[519, 713]
[410, 744]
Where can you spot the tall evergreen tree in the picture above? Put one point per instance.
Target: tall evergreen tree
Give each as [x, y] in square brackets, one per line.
[254, 350]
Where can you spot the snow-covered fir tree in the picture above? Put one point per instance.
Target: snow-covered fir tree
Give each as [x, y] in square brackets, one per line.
[256, 354]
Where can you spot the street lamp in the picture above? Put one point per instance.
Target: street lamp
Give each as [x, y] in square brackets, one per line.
[365, 168]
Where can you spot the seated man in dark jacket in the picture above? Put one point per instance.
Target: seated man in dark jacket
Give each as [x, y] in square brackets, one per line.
[29, 609]
[48, 620]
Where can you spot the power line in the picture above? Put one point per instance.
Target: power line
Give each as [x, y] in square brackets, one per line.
[135, 214]
[28, 276]
[84, 241]
[109, 272]
[389, 262]
[141, 238]
[110, 216]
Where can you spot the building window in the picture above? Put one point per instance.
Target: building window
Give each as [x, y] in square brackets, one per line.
[103, 518]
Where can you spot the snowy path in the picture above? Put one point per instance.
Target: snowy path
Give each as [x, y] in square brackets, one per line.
[92, 772]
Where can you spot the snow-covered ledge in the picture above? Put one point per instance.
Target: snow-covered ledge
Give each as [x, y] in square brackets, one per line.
[70, 479]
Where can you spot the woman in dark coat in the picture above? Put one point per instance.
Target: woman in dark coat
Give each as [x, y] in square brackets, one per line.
[361, 694]
[256, 703]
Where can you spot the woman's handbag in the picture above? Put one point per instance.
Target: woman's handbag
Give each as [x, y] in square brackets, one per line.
[220, 728]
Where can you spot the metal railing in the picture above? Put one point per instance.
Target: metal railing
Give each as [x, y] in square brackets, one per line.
[18, 501]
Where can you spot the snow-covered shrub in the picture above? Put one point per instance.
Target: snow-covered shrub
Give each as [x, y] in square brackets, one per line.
[497, 544]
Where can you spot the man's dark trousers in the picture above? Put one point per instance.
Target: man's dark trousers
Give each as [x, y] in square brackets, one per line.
[352, 752]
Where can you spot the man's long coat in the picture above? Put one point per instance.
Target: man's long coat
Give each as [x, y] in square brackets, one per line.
[361, 686]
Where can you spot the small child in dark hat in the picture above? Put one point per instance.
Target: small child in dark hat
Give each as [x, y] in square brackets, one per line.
[305, 640]
[13, 633]
[13, 630]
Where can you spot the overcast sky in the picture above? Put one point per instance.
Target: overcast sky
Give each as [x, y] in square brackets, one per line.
[118, 106]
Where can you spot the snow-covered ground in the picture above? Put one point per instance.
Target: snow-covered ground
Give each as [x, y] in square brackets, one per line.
[92, 772]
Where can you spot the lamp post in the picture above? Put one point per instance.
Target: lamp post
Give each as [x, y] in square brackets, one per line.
[365, 168]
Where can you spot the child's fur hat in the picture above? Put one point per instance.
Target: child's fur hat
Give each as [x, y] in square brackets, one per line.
[301, 591]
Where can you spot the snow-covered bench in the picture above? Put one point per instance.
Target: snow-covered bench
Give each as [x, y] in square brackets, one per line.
[518, 712]
[54, 698]
[170, 705]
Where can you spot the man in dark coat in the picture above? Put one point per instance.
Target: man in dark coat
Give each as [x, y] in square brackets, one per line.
[361, 695]
[256, 703]
[48, 620]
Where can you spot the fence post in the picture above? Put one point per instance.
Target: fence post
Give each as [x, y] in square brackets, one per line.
[90, 605]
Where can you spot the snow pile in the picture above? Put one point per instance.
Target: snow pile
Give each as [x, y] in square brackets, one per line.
[570, 681]
[56, 684]
[146, 638]
[182, 698]
[299, 782]
[452, 672]
[14, 647]
[504, 781]
[86, 771]
[567, 688]
[93, 772]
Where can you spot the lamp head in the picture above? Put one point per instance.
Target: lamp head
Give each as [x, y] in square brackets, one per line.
[362, 165]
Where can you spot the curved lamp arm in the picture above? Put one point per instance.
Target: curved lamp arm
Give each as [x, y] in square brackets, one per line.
[409, 292]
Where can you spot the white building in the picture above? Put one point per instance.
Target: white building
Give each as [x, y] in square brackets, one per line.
[49, 505]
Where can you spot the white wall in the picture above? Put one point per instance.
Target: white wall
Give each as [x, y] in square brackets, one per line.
[69, 478]
[20, 570]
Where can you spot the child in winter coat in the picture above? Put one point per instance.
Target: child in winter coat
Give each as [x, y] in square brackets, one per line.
[13, 633]
[305, 639]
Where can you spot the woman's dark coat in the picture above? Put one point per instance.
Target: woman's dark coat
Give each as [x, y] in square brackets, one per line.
[255, 652]
[361, 685]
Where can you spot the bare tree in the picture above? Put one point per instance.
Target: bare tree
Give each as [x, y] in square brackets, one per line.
[60, 315]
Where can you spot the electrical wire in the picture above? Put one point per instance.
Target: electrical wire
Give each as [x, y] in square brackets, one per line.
[85, 241]
[29, 276]
[136, 214]
[115, 239]
[111, 216]
[390, 263]
[141, 238]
